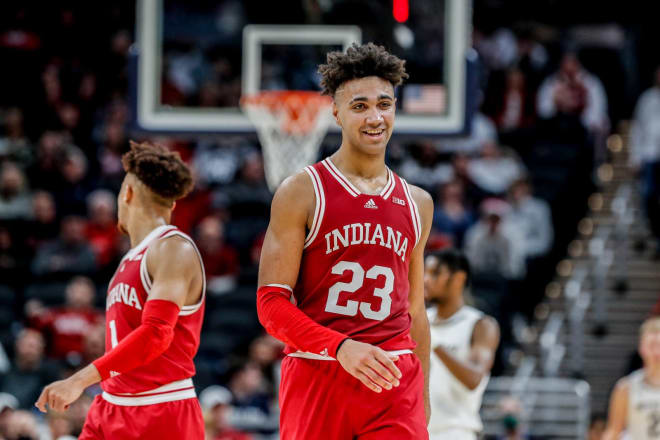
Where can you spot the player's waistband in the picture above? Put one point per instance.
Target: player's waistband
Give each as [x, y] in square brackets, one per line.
[320, 357]
[179, 390]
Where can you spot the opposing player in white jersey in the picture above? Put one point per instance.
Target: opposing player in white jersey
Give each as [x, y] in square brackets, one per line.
[635, 401]
[463, 344]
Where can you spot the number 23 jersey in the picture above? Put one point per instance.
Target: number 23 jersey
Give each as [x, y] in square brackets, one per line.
[354, 269]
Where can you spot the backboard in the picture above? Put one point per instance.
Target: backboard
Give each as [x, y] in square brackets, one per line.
[193, 60]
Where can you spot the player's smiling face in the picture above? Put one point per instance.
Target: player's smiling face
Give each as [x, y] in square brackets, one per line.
[364, 109]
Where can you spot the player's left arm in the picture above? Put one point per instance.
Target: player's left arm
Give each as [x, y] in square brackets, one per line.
[485, 339]
[177, 279]
[419, 330]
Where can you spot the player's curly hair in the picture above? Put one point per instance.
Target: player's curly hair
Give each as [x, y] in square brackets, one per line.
[160, 169]
[359, 62]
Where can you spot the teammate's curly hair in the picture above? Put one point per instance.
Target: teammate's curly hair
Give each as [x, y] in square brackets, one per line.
[359, 62]
[160, 169]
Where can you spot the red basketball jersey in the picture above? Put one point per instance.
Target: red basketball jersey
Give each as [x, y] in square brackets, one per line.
[354, 270]
[127, 293]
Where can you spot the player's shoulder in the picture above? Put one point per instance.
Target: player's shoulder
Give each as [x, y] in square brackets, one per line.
[175, 251]
[295, 193]
[486, 328]
[488, 323]
[423, 200]
[623, 384]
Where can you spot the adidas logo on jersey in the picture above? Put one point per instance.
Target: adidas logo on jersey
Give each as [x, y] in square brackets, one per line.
[398, 201]
[371, 204]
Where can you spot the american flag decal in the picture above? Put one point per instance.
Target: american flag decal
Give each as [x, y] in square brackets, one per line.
[424, 98]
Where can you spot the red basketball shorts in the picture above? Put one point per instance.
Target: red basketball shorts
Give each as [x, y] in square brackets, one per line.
[180, 419]
[319, 400]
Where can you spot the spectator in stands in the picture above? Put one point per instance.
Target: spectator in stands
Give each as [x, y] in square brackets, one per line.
[190, 210]
[220, 259]
[532, 217]
[452, 216]
[494, 246]
[645, 152]
[532, 55]
[14, 145]
[15, 199]
[101, 230]
[216, 404]
[94, 343]
[65, 327]
[460, 164]
[77, 413]
[45, 171]
[252, 401]
[423, 166]
[71, 196]
[574, 91]
[109, 155]
[249, 195]
[44, 226]
[8, 404]
[29, 371]
[69, 255]
[218, 164]
[482, 129]
[511, 410]
[22, 425]
[14, 257]
[248, 201]
[266, 351]
[494, 171]
[516, 109]
[59, 425]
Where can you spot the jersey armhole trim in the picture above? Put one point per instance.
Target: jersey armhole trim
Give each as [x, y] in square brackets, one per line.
[319, 208]
[414, 211]
[186, 309]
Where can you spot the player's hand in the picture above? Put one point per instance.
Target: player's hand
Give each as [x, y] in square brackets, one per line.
[369, 364]
[59, 395]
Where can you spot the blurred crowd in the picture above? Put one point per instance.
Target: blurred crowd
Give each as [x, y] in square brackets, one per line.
[509, 192]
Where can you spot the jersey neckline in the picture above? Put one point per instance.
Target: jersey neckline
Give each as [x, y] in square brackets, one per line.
[352, 189]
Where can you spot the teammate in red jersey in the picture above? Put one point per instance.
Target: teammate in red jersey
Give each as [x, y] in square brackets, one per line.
[341, 272]
[154, 312]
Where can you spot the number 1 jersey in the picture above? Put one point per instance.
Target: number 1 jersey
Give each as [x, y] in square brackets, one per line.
[354, 270]
[128, 291]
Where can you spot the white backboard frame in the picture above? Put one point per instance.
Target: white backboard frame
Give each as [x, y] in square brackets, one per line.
[150, 115]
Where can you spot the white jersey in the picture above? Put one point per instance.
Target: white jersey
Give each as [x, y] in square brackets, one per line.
[453, 405]
[643, 408]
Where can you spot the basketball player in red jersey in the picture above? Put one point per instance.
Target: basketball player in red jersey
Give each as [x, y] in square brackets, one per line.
[154, 312]
[341, 272]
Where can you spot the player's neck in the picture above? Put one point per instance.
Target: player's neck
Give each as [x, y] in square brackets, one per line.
[352, 162]
[448, 309]
[143, 222]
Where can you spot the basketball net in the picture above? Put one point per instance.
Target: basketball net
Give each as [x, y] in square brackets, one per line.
[291, 125]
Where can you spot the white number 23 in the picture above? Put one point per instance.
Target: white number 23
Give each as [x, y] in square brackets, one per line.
[351, 307]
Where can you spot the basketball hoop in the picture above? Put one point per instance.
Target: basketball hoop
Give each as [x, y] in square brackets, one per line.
[291, 125]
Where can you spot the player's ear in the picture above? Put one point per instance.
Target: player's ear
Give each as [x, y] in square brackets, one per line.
[129, 193]
[335, 112]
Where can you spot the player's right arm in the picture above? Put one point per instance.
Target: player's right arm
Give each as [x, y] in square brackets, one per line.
[291, 209]
[618, 413]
